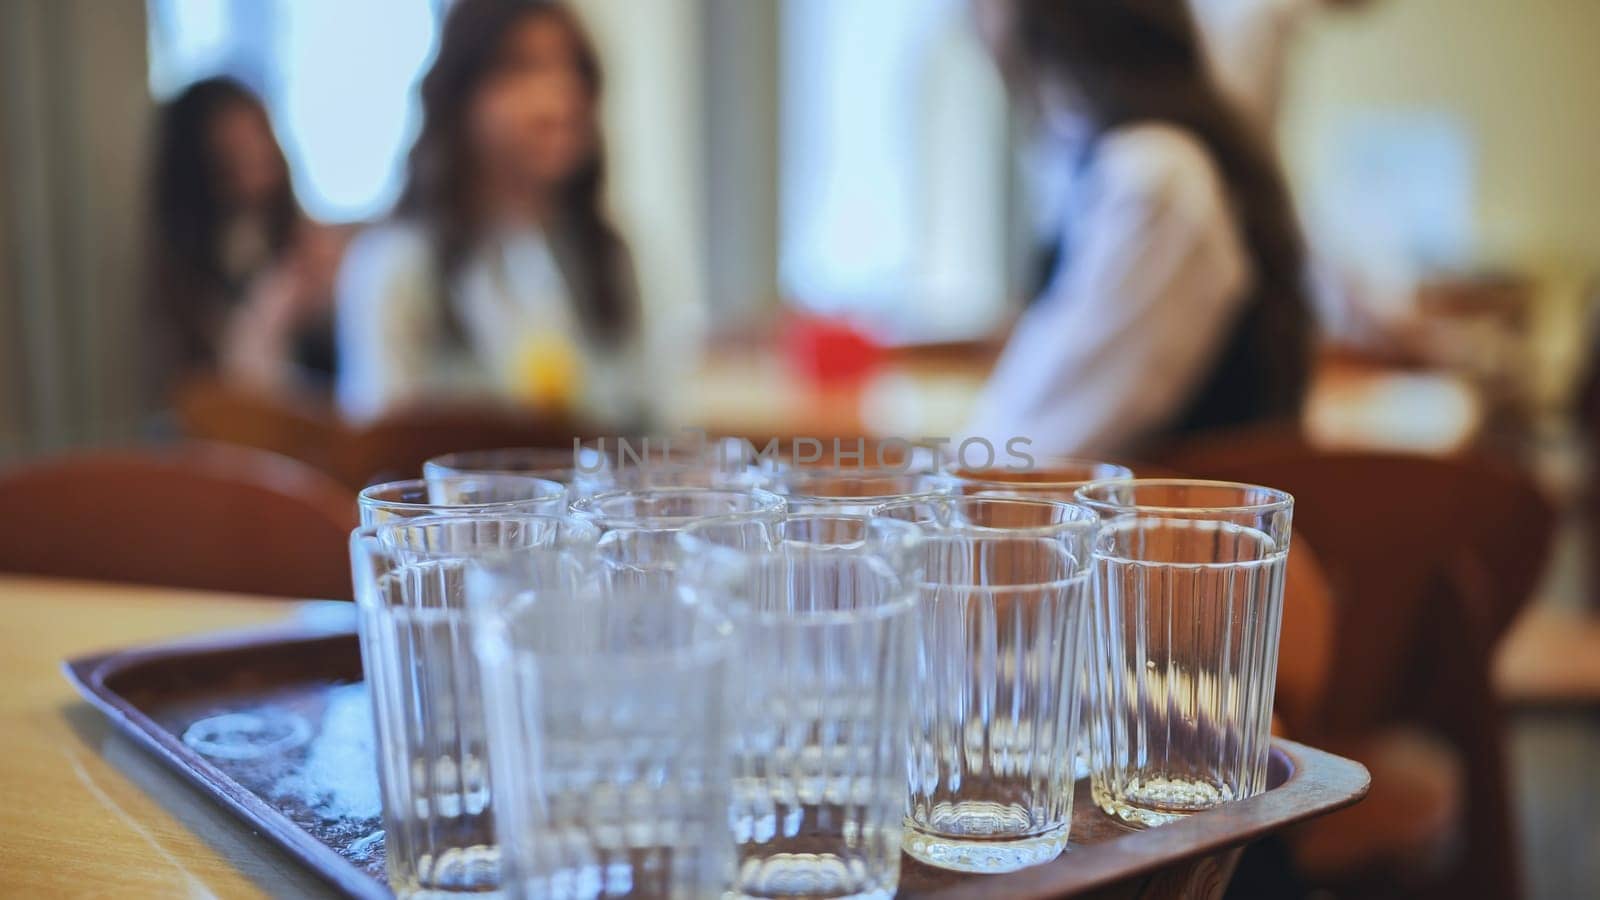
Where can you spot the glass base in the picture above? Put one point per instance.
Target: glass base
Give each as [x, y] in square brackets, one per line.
[794, 875]
[473, 871]
[983, 855]
[1158, 801]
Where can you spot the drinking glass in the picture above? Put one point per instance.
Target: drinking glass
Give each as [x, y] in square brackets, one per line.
[854, 491]
[708, 464]
[584, 469]
[1189, 588]
[608, 734]
[461, 495]
[1055, 478]
[1005, 600]
[416, 653]
[825, 609]
[1050, 478]
[638, 550]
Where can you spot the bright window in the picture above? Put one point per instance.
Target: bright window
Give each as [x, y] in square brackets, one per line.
[338, 79]
[893, 153]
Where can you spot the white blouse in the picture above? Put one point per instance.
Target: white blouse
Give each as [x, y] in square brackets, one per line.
[513, 306]
[1153, 276]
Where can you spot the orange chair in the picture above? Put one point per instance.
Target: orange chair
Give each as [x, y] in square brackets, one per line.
[299, 427]
[204, 516]
[396, 446]
[1429, 561]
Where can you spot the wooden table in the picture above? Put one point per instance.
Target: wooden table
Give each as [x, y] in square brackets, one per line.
[82, 809]
[87, 811]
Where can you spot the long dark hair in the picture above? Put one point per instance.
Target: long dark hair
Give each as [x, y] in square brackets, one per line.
[190, 285]
[1132, 61]
[439, 190]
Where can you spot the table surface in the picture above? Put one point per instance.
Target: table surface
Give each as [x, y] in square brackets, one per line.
[85, 810]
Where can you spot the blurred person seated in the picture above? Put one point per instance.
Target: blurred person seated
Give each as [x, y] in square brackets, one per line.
[499, 277]
[1177, 301]
[242, 280]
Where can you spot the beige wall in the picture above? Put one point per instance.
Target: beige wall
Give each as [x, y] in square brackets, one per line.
[1525, 74]
[1525, 77]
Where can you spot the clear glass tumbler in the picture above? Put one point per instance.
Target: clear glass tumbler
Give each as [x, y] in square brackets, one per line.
[1005, 598]
[825, 609]
[1051, 478]
[416, 651]
[639, 551]
[608, 732]
[854, 491]
[461, 495]
[1189, 590]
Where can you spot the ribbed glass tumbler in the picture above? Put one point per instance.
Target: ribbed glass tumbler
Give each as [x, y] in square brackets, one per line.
[1005, 602]
[416, 651]
[608, 730]
[639, 551]
[1189, 600]
[1050, 478]
[464, 495]
[825, 608]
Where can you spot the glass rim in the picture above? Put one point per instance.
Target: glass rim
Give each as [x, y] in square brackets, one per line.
[936, 539]
[1086, 496]
[1083, 517]
[909, 532]
[587, 507]
[689, 540]
[370, 534]
[368, 496]
[702, 648]
[938, 485]
[1046, 466]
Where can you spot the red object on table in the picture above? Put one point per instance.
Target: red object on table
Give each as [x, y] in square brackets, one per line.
[829, 351]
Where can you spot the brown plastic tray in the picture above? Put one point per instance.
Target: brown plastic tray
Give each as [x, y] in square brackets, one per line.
[276, 726]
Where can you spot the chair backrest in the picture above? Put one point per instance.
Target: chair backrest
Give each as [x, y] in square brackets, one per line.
[1430, 559]
[397, 445]
[299, 427]
[1390, 528]
[206, 516]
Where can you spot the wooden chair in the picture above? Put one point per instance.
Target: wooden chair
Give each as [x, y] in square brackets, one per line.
[299, 427]
[397, 445]
[204, 516]
[1429, 561]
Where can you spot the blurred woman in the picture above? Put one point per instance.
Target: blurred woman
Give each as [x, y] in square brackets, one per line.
[500, 276]
[1177, 301]
[242, 280]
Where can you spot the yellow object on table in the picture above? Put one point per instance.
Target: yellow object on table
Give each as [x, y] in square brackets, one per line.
[548, 372]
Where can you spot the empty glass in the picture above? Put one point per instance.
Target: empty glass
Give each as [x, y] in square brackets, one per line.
[638, 549]
[608, 733]
[585, 470]
[1049, 479]
[1005, 600]
[461, 495]
[1189, 585]
[825, 608]
[854, 491]
[416, 652]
